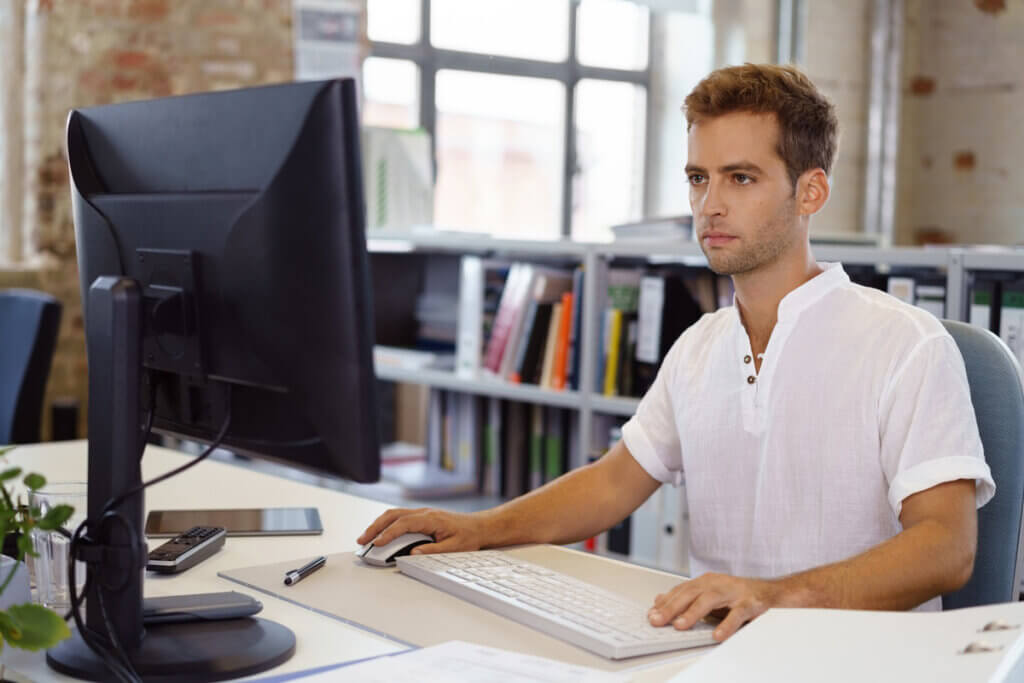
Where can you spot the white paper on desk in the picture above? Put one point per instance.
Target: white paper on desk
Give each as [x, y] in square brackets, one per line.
[853, 645]
[461, 662]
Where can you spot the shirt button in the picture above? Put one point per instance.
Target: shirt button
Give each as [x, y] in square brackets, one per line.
[751, 379]
[746, 359]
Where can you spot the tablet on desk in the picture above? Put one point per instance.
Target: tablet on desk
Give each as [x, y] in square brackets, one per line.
[238, 522]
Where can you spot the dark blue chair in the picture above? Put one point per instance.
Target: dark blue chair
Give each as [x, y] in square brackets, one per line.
[996, 391]
[29, 322]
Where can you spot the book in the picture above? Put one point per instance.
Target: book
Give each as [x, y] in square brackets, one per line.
[469, 332]
[549, 346]
[627, 352]
[559, 372]
[514, 451]
[536, 467]
[613, 316]
[555, 435]
[546, 285]
[508, 317]
[573, 360]
[531, 353]
[481, 282]
[492, 440]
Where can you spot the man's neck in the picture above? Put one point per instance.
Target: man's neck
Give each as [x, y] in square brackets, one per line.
[759, 292]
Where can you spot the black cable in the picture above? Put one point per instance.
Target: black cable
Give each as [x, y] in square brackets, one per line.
[88, 637]
[117, 661]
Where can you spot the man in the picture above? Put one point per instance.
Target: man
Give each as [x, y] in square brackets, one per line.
[824, 430]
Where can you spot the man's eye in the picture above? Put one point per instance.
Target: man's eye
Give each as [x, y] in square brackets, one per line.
[695, 178]
[743, 179]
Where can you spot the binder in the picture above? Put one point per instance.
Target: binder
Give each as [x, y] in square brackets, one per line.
[844, 646]
[666, 308]
[982, 298]
[1011, 318]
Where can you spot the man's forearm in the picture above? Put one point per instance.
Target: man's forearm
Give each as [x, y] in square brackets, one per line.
[575, 506]
[905, 571]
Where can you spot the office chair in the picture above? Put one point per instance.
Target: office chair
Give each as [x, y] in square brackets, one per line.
[28, 336]
[994, 377]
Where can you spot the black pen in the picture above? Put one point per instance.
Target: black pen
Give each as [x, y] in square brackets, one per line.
[296, 575]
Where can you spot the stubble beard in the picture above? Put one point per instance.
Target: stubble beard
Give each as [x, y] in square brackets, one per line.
[764, 246]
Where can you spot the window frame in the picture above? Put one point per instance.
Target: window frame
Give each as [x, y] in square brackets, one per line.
[430, 60]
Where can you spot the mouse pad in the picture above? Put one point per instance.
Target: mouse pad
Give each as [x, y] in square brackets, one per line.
[393, 605]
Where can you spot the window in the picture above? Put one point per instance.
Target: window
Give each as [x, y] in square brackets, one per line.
[537, 108]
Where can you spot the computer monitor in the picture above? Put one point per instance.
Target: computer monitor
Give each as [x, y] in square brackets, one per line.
[222, 255]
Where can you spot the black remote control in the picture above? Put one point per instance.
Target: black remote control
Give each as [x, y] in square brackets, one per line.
[186, 550]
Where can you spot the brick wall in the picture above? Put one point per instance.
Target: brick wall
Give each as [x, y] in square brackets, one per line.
[961, 139]
[837, 60]
[88, 52]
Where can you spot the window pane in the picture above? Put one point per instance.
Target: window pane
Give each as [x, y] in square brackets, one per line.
[390, 93]
[530, 29]
[612, 33]
[499, 154]
[393, 21]
[608, 188]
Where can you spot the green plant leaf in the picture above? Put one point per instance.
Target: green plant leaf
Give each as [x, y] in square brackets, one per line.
[40, 628]
[56, 517]
[35, 481]
[8, 629]
[25, 546]
[10, 473]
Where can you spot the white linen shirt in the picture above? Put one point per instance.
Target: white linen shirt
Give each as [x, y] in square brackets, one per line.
[861, 401]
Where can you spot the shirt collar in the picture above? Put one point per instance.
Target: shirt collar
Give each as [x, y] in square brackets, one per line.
[801, 298]
[805, 295]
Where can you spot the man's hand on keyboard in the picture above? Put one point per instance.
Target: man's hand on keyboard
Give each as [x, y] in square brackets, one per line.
[739, 600]
[453, 532]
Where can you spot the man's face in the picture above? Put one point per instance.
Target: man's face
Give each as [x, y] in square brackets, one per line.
[743, 203]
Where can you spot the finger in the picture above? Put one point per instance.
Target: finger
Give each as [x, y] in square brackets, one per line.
[452, 544]
[678, 599]
[699, 609]
[737, 616]
[412, 522]
[380, 524]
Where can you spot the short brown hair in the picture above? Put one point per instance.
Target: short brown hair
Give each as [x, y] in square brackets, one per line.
[808, 127]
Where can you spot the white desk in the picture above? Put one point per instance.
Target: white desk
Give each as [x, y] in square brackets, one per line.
[320, 640]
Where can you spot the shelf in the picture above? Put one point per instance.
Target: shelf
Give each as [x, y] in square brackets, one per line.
[892, 256]
[468, 242]
[443, 379]
[992, 260]
[615, 405]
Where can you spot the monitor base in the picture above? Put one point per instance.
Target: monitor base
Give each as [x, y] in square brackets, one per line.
[203, 651]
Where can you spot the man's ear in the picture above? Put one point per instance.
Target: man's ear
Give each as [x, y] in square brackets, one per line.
[812, 190]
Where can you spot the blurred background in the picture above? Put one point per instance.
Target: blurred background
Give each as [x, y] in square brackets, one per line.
[530, 118]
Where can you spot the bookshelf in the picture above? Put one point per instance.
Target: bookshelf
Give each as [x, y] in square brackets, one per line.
[593, 412]
[955, 265]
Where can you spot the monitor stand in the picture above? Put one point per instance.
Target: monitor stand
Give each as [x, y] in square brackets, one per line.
[197, 651]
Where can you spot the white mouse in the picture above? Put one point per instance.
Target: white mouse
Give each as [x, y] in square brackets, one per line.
[384, 555]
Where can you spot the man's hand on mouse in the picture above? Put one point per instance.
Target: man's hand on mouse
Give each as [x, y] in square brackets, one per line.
[736, 599]
[452, 532]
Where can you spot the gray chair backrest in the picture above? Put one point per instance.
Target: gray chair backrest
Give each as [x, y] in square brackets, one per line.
[997, 393]
[29, 322]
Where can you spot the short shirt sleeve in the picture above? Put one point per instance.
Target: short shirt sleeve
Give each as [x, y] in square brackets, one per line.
[928, 432]
[651, 434]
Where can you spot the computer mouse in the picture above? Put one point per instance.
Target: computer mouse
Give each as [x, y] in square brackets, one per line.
[384, 555]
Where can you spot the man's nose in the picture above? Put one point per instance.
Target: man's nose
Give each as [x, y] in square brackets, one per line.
[713, 201]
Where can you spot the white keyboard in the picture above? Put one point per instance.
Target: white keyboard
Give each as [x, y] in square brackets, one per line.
[557, 604]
